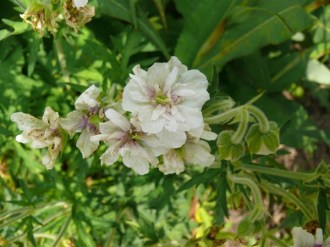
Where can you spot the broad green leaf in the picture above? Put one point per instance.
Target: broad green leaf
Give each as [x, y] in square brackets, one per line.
[287, 69]
[272, 22]
[204, 25]
[123, 10]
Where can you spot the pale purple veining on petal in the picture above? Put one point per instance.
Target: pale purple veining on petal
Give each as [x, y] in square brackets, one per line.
[94, 109]
[86, 124]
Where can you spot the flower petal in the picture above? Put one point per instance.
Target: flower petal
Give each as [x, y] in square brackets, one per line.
[88, 99]
[79, 3]
[172, 163]
[26, 121]
[51, 118]
[302, 238]
[170, 139]
[109, 157]
[85, 145]
[198, 153]
[73, 122]
[118, 119]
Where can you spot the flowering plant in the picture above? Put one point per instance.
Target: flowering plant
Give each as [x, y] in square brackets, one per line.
[172, 123]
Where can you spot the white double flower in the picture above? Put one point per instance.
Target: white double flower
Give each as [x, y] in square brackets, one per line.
[167, 99]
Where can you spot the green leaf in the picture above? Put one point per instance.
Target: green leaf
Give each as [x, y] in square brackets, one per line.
[33, 55]
[123, 11]
[272, 22]
[18, 28]
[204, 25]
[221, 209]
[205, 176]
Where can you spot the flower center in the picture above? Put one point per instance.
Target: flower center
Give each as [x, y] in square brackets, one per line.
[162, 99]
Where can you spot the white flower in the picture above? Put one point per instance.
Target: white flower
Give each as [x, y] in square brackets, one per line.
[167, 99]
[126, 140]
[40, 133]
[85, 120]
[79, 3]
[302, 238]
[194, 152]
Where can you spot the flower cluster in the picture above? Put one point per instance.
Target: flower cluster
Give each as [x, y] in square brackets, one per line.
[45, 15]
[159, 122]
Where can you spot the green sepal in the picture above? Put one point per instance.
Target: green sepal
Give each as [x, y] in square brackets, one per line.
[263, 143]
[245, 228]
[228, 150]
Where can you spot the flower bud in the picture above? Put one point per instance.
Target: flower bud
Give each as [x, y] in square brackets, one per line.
[263, 142]
[228, 150]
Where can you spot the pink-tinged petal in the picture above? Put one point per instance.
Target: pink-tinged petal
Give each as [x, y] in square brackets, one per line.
[51, 118]
[88, 99]
[73, 122]
[26, 121]
[109, 157]
[118, 119]
[85, 145]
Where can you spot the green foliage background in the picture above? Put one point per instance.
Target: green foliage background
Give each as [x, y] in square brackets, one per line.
[255, 46]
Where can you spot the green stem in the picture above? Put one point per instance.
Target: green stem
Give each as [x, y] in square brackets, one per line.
[223, 117]
[257, 212]
[113, 230]
[220, 105]
[278, 242]
[281, 192]
[239, 134]
[260, 117]
[279, 172]
[63, 230]
[61, 60]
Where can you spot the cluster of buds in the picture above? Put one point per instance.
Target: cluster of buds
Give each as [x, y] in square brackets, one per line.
[45, 15]
[254, 134]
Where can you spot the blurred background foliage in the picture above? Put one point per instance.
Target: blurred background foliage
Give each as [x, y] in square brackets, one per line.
[277, 46]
